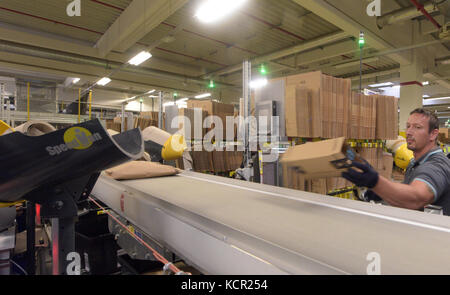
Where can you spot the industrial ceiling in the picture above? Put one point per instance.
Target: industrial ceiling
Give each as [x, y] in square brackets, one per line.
[39, 40]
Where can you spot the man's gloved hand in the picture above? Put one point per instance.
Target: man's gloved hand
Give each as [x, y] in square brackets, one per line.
[368, 178]
[371, 196]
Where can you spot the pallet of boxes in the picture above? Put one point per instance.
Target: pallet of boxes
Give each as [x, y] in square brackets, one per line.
[204, 160]
[444, 136]
[320, 107]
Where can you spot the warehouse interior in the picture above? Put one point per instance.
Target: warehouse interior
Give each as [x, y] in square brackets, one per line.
[333, 72]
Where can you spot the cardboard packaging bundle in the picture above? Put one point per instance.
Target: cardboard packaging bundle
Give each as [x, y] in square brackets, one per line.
[202, 161]
[387, 117]
[192, 117]
[115, 124]
[320, 159]
[147, 119]
[444, 135]
[213, 108]
[363, 117]
[317, 166]
[316, 105]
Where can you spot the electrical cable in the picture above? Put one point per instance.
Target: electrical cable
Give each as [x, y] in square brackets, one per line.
[19, 267]
[158, 256]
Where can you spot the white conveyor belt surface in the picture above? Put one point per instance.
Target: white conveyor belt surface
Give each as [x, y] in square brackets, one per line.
[227, 226]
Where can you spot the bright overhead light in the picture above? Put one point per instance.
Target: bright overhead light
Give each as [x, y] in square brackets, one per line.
[103, 81]
[170, 103]
[426, 96]
[437, 98]
[151, 91]
[204, 95]
[425, 83]
[183, 99]
[258, 83]
[76, 80]
[140, 58]
[381, 85]
[214, 10]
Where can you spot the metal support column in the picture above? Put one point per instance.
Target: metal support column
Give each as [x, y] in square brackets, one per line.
[31, 238]
[160, 119]
[122, 126]
[246, 78]
[63, 239]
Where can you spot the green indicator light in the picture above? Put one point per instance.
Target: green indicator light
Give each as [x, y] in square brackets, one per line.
[211, 84]
[263, 70]
[362, 41]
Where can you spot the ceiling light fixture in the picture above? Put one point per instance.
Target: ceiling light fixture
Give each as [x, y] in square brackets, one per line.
[214, 10]
[140, 58]
[381, 85]
[103, 81]
[204, 95]
[76, 80]
[258, 83]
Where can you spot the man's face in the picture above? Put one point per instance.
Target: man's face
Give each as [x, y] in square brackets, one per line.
[417, 132]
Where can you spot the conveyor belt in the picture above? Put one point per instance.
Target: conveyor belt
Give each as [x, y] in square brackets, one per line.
[277, 230]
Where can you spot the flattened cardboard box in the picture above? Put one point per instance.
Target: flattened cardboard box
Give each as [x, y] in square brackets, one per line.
[318, 159]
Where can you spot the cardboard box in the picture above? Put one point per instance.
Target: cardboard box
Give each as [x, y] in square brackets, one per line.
[191, 118]
[213, 108]
[318, 159]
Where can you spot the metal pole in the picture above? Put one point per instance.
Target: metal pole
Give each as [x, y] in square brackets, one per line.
[122, 126]
[31, 237]
[90, 104]
[79, 105]
[246, 76]
[160, 119]
[63, 240]
[28, 101]
[360, 70]
[1, 100]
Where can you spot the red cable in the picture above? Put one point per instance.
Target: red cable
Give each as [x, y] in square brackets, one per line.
[156, 254]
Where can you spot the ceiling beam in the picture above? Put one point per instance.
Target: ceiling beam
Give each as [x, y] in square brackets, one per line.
[355, 19]
[136, 21]
[21, 36]
[86, 73]
[304, 46]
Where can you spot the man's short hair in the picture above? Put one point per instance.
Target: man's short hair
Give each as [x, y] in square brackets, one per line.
[433, 122]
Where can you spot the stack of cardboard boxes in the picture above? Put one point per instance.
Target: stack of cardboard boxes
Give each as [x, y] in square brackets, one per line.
[216, 161]
[320, 106]
[444, 135]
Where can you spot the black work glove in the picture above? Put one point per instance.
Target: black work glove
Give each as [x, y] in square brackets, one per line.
[371, 196]
[368, 178]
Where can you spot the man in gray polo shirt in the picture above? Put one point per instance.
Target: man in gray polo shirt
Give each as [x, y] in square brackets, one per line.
[427, 179]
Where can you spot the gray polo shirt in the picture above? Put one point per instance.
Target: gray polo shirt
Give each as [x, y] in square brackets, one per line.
[433, 169]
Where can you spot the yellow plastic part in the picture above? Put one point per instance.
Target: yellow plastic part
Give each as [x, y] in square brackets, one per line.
[174, 147]
[403, 156]
[4, 127]
[5, 205]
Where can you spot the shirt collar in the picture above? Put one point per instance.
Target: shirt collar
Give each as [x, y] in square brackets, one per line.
[425, 157]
